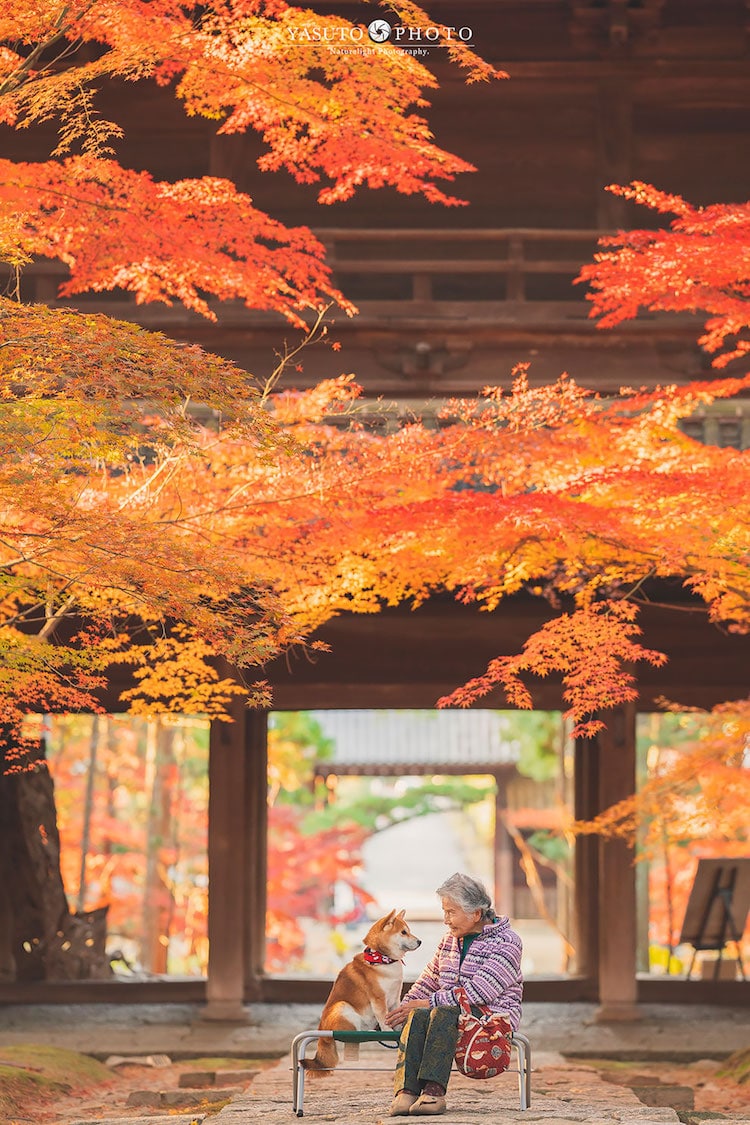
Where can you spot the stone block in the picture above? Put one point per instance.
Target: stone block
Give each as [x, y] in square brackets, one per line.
[229, 1077]
[678, 1097]
[138, 1060]
[144, 1097]
[183, 1099]
[698, 1117]
[621, 1078]
[197, 1078]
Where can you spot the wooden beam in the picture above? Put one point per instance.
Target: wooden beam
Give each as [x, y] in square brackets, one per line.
[409, 658]
[303, 990]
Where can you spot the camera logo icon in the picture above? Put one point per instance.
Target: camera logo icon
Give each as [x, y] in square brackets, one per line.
[379, 31]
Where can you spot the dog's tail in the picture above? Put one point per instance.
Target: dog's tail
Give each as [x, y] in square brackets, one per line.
[326, 1057]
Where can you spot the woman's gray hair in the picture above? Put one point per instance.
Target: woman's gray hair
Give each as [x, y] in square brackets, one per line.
[469, 893]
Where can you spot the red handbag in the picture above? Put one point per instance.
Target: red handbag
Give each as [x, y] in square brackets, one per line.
[483, 1048]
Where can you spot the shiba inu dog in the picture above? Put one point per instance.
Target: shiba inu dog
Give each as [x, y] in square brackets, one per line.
[366, 988]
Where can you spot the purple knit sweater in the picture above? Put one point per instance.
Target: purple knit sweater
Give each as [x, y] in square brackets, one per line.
[490, 973]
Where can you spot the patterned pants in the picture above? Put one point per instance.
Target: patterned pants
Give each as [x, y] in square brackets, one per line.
[426, 1048]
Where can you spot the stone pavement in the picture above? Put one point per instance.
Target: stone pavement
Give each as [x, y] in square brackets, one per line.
[564, 1088]
[561, 1092]
[681, 1032]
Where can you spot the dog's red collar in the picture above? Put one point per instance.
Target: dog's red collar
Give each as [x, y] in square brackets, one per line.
[374, 958]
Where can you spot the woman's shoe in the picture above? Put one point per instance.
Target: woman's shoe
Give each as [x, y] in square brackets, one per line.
[402, 1103]
[427, 1104]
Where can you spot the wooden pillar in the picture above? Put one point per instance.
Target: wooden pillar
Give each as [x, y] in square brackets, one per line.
[503, 850]
[642, 961]
[586, 916]
[256, 788]
[228, 867]
[616, 877]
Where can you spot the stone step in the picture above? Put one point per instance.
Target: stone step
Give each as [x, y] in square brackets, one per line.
[194, 1079]
[653, 1094]
[181, 1099]
[138, 1060]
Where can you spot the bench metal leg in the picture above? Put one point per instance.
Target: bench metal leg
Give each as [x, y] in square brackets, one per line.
[523, 1051]
[299, 1048]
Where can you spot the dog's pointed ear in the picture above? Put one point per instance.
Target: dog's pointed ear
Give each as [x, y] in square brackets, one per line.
[401, 914]
[389, 917]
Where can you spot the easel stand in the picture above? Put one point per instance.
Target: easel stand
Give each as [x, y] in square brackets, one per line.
[717, 899]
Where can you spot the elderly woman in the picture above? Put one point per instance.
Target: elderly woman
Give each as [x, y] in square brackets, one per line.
[482, 954]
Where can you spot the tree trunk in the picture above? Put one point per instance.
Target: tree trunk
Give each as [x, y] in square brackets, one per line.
[44, 940]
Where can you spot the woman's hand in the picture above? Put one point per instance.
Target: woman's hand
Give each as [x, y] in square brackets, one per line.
[397, 1016]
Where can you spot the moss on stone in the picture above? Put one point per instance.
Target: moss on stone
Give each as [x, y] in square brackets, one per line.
[30, 1073]
[736, 1067]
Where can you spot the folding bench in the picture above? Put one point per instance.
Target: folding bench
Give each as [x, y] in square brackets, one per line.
[519, 1043]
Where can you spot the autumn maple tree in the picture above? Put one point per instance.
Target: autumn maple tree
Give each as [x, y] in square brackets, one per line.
[132, 797]
[575, 499]
[103, 426]
[696, 799]
[553, 491]
[699, 264]
[161, 510]
[86, 388]
[330, 117]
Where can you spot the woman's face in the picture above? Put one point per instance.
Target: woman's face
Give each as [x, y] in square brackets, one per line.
[458, 921]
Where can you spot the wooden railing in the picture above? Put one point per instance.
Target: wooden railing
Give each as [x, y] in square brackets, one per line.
[439, 266]
[519, 271]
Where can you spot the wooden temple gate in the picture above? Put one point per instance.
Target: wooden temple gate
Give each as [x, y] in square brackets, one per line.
[405, 659]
